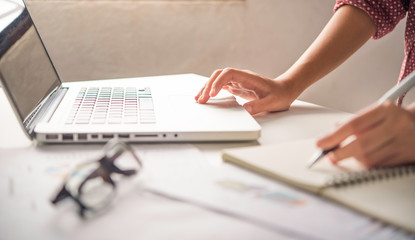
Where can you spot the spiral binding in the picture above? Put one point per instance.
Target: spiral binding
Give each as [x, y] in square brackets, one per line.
[353, 178]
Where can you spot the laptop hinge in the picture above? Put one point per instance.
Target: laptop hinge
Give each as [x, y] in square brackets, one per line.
[44, 110]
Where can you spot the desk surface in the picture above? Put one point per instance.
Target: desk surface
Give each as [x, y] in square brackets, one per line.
[158, 217]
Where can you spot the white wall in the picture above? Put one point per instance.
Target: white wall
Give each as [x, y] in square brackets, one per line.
[111, 39]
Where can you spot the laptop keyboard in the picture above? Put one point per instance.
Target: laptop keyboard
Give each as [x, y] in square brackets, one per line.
[112, 105]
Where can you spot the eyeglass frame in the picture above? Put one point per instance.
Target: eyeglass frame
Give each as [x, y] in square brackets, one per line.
[104, 170]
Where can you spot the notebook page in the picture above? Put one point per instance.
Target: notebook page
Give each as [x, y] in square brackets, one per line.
[391, 199]
[287, 162]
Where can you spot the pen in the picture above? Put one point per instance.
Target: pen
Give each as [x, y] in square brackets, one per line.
[391, 95]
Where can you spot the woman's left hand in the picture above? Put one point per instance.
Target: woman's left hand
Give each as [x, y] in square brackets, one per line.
[382, 135]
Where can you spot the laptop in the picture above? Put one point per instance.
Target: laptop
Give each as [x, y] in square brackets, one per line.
[146, 109]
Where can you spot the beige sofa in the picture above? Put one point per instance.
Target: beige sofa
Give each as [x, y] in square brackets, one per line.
[112, 39]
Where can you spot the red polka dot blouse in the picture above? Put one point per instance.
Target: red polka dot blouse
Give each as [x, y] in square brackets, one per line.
[386, 14]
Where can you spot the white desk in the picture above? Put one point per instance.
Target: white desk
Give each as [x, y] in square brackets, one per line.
[157, 217]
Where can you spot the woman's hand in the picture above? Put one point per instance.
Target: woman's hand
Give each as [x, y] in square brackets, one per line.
[384, 135]
[264, 94]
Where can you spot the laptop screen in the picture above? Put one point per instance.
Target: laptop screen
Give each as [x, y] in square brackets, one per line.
[26, 72]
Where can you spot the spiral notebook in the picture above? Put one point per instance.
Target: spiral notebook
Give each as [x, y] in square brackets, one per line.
[385, 194]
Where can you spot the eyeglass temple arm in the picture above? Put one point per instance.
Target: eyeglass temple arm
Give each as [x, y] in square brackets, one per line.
[63, 193]
[129, 149]
[97, 173]
[112, 168]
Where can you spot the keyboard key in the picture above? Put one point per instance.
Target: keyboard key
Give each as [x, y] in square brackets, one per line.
[112, 105]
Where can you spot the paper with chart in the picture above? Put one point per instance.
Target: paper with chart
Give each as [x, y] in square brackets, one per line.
[178, 171]
[238, 193]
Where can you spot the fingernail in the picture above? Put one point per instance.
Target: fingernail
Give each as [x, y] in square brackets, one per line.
[212, 92]
[318, 143]
[200, 97]
[248, 108]
[331, 159]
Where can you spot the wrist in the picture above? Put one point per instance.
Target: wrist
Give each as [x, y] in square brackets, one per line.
[292, 86]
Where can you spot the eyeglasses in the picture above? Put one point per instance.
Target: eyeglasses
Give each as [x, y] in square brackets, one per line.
[91, 185]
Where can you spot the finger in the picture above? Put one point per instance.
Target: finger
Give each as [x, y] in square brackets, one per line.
[259, 105]
[395, 160]
[342, 153]
[200, 93]
[394, 154]
[384, 156]
[228, 86]
[227, 76]
[367, 143]
[367, 156]
[359, 124]
[204, 86]
[234, 91]
[403, 150]
[246, 94]
[204, 96]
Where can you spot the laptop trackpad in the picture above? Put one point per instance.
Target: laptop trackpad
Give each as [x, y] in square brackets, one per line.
[225, 101]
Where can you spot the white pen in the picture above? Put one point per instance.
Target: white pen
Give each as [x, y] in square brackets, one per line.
[391, 95]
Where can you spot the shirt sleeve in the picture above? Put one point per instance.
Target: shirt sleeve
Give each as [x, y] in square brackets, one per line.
[386, 14]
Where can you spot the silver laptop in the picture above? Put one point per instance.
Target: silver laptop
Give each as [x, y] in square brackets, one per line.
[150, 109]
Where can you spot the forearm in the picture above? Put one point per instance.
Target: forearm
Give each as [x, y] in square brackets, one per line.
[411, 110]
[346, 32]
